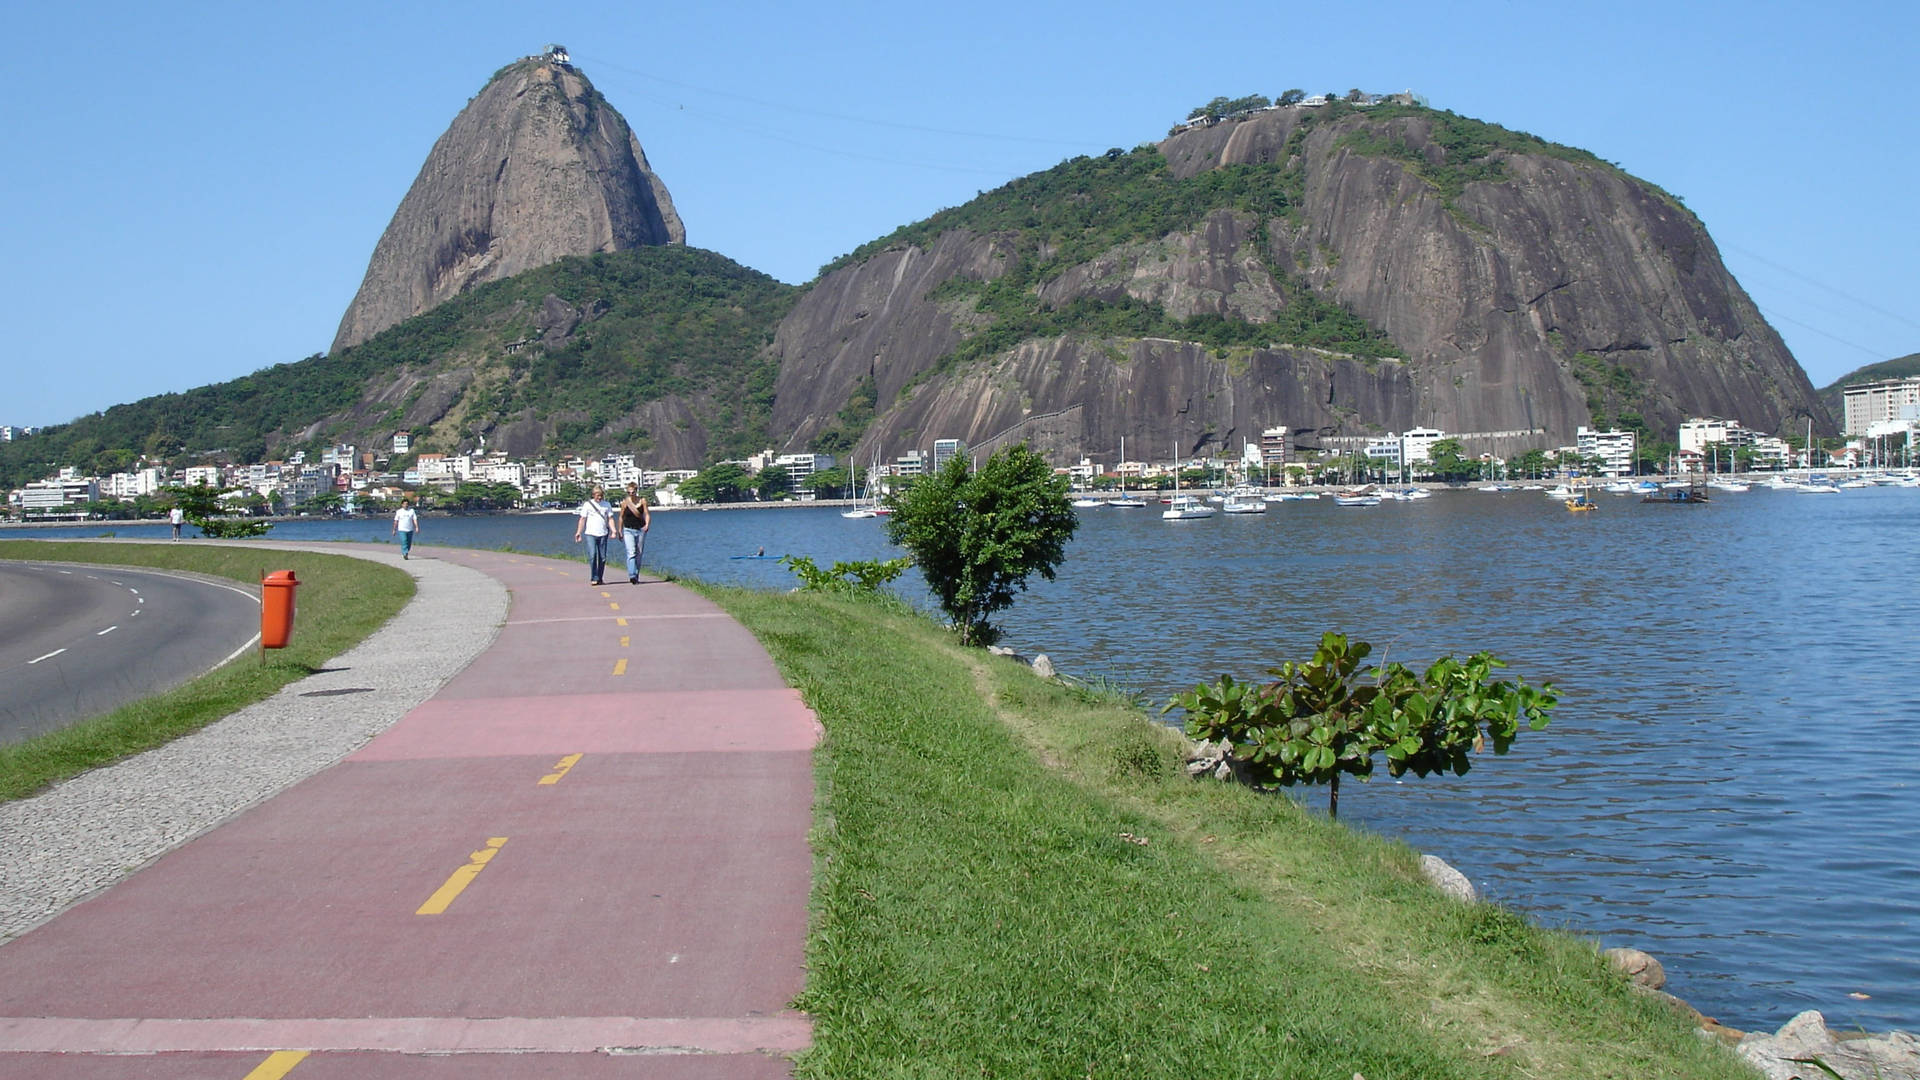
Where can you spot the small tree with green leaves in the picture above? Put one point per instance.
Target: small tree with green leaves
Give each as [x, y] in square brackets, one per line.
[978, 537]
[1328, 717]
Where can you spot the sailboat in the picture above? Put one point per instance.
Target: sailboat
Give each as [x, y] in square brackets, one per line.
[1184, 507]
[872, 509]
[1125, 501]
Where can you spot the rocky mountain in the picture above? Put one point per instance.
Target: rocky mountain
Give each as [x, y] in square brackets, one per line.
[537, 166]
[1339, 270]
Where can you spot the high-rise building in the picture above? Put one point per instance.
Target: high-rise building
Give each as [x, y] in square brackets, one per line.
[1614, 449]
[945, 450]
[1888, 401]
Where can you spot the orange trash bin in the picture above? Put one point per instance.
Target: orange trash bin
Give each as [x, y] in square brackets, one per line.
[276, 609]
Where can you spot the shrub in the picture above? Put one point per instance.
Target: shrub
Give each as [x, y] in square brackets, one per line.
[1330, 715]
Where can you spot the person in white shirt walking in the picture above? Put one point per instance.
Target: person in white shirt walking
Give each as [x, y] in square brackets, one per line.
[176, 516]
[405, 524]
[597, 523]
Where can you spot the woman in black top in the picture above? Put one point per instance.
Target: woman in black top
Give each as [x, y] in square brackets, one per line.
[633, 530]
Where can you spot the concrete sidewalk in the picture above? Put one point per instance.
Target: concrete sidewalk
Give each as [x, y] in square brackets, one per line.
[585, 854]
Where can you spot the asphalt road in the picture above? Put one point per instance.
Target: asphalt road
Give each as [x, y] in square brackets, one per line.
[78, 641]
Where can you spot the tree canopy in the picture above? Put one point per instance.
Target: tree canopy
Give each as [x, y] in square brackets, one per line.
[978, 537]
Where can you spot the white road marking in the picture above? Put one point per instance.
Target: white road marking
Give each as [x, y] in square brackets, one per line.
[134, 591]
[49, 656]
[107, 631]
[69, 573]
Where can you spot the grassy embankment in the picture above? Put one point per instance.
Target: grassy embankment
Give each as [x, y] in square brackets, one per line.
[1016, 878]
[340, 601]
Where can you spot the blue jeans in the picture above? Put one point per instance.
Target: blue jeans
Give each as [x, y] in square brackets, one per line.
[636, 542]
[597, 558]
[406, 542]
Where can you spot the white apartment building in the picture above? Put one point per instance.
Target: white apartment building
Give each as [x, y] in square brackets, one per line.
[1893, 404]
[504, 472]
[197, 475]
[1386, 448]
[1696, 434]
[1416, 445]
[802, 466]
[618, 470]
[1614, 448]
[402, 442]
[911, 463]
[54, 494]
[945, 450]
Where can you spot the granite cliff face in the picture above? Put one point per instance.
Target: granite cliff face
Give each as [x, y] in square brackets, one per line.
[1530, 289]
[536, 167]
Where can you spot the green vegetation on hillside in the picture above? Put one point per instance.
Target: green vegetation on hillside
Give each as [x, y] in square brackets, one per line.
[1068, 214]
[1015, 877]
[342, 600]
[1468, 146]
[663, 320]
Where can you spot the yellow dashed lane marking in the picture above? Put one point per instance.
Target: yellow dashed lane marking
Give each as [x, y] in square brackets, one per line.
[607, 595]
[614, 606]
[622, 622]
[625, 641]
[620, 666]
[461, 878]
[278, 1064]
[561, 768]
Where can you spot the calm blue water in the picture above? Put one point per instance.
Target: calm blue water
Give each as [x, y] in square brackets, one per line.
[1730, 779]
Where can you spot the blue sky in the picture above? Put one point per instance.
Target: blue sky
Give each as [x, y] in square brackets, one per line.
[191, 192]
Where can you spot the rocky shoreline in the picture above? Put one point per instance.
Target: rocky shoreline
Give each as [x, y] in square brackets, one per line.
[1804, 1048]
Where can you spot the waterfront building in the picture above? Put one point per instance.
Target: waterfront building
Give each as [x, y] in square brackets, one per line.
[1696, 434]
[802, 466]
[911, 463]
[1614, 448]
[1887, 402]
[53, 494]
[1273, 447]
[944, 450]
[1386, 449]
[1416, 446]
[197, 475]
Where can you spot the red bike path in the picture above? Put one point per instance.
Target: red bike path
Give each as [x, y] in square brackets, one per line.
[584, 856]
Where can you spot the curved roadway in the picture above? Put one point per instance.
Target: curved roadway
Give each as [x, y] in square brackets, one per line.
[78, 641]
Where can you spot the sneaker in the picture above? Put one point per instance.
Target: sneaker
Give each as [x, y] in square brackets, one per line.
[633, 580]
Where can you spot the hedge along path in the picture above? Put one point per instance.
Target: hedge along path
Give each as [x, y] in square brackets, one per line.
[1479, 975]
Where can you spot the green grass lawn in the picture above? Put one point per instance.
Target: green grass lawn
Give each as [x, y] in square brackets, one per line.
[1015, 878]
[340, 601]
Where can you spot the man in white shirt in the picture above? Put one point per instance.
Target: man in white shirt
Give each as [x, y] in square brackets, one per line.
[597, 523]
[176, 516]
[405, 524]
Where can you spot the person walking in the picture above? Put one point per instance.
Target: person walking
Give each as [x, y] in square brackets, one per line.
[596, 523]
[634, 522]
[405, 523]
[177, 517]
